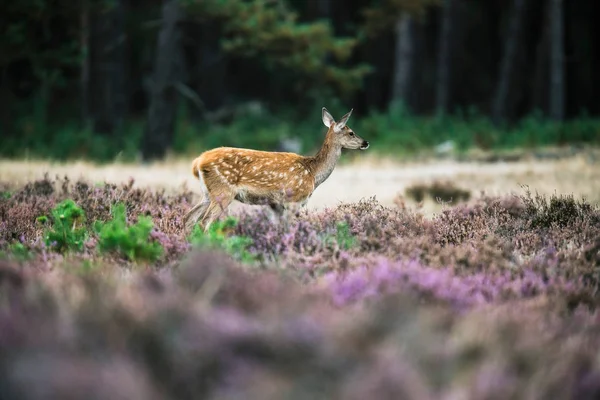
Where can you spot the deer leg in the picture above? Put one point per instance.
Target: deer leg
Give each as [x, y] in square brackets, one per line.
[216, 207]
[196, 213]
[277, 208]
[278, 211]
[199, 210]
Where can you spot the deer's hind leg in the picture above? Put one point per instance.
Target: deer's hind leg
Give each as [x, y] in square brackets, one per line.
[197, 212]
[218, 205]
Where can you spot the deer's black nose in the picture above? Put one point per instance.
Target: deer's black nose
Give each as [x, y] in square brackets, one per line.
[364, 145]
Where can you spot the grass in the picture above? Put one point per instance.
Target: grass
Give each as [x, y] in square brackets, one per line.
[367, 176]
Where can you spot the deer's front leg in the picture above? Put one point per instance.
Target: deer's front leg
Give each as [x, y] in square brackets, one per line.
[277, 208]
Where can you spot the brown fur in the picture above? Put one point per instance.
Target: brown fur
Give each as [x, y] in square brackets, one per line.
[261, 177]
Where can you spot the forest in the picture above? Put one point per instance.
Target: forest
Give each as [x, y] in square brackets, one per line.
[100, 79]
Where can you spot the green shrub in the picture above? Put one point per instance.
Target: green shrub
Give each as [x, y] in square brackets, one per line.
[218, 237]
[395, 131]
[67, 230]
[130, 241]
[16, 251]
[343, 237]
[20, 252]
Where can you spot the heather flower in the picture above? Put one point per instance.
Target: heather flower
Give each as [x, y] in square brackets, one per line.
[462, 305]
[440, 284]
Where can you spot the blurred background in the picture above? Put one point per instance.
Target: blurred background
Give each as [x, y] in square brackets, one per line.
[131, 79]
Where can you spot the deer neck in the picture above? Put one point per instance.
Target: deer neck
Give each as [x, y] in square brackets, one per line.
[323, 163]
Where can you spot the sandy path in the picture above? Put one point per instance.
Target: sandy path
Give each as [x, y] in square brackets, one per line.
[385, 180]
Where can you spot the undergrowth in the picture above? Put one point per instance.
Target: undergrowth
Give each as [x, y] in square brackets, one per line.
[66, 230]
[219, 237]
[394, 131]
[342, 238]
[131, 241]
[558, 210]
[421, 308]
[444, 191]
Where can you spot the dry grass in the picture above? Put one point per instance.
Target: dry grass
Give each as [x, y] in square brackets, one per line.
[386, 179]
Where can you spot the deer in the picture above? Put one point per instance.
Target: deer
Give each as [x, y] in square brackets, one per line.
[276, 179]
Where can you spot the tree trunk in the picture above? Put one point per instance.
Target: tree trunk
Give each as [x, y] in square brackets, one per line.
[404, 59]
[85, 63]
[557, 68]
[324, 8]
[444, 57]
[507, 67]
[106, 70]
[164, 95]
[210, 72]
[541, 76]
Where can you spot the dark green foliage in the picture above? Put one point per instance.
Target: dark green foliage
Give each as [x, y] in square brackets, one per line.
[219, 237]
[291, 56]
[271, 32]
[382, 16]
[131, 241]
[395, 133]
[66, 229]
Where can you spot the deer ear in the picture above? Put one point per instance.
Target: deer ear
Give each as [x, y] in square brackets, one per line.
[342, 122]
[327, 118]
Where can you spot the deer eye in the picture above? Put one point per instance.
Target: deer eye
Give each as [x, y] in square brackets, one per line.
[351, 133]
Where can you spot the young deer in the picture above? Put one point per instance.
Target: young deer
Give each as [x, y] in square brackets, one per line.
[262, 177]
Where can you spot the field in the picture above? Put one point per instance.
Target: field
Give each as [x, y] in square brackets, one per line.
[366, 177]
[459, 280]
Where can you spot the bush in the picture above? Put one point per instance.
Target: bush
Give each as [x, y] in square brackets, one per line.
[130, 241]
[219, 237]
[561, 210]
[394, 131]
[17, 251]
[444, 191]
[451, 306]
[67, 231]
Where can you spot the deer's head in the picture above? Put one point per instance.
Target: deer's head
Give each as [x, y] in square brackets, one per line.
[341, 134]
